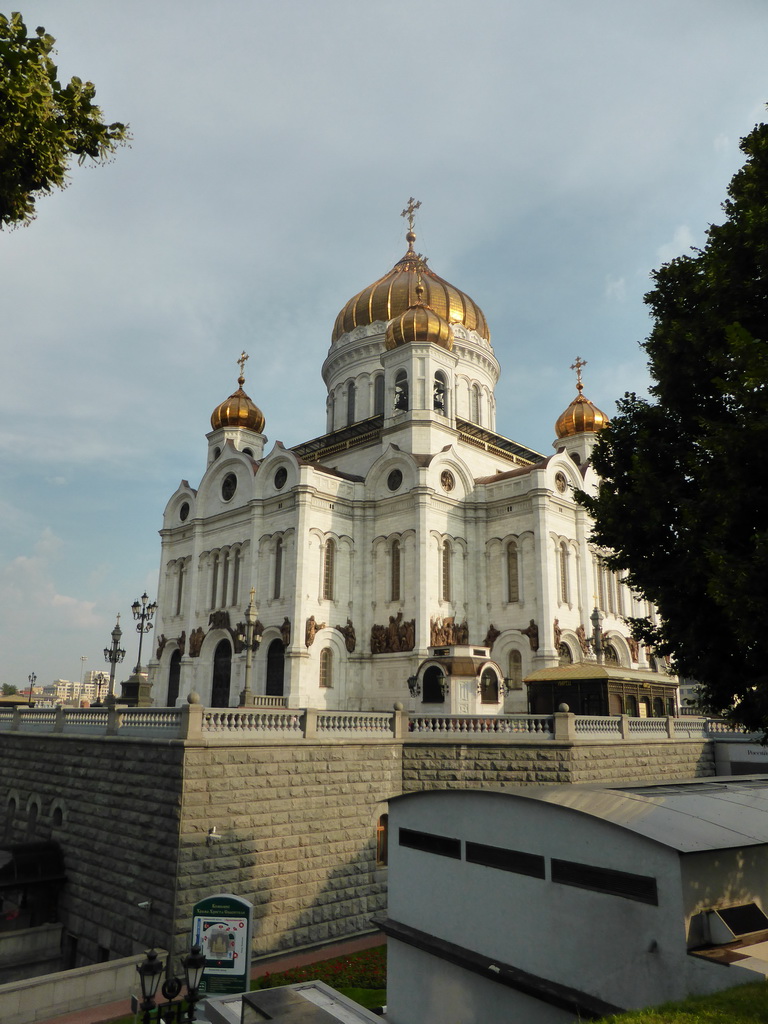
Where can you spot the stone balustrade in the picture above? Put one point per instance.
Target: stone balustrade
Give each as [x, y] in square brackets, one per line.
[195, 722]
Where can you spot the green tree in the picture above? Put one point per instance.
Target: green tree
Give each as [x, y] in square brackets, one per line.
[683, 507]
[42, 123]
[9, 689]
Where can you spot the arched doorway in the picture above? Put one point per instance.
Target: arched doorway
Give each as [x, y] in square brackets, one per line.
[433, 692]
[222, 672]
[275, 669]
[174, 675]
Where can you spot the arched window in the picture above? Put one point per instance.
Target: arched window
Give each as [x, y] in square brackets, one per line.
[474, 414]
[515, 667]
[222, 672]
[180, 588]
[329, 559]
[632, 709]
[563, 573]
[236, 559]
[513, 579]
[331, 411]
[32, 815]
[224, 577]
[489, 688]
[445, 572]
[440, 393]
[433, 686]
[275, 667]
[382, 841]
[214, 578]
[174, 675]
[276, 590]
[326, 667]
[351, 391]
[401, 391]
[394, 575]
[658, 707]
[378, 395]
[57, 817]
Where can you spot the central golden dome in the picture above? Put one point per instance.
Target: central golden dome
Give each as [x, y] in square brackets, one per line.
[393, 294]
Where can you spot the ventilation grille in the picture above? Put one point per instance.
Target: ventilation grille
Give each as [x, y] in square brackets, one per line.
[427, 842]
[506, 860]
[616, 883]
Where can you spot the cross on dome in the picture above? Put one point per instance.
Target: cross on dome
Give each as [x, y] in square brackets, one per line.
[577, 367]
[241, 364]
[409, 211]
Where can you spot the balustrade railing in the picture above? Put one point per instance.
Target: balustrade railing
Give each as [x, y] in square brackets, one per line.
[274, 721]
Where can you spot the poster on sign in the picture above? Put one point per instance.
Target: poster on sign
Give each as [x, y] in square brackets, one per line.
[222, 926]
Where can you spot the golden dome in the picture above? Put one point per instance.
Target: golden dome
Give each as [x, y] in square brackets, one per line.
[393, 294]
[581, 416]
[238, 410]
[419, 323]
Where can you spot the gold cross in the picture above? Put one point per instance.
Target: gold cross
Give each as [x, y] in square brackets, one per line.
[241, 364]
[577, 367]
[410, 210]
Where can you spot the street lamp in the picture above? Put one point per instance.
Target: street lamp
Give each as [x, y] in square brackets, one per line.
[114, 655]
[251, 642]
[150, 971]
[32, 680]
[99, 678]
[596, 640]
[142, 612]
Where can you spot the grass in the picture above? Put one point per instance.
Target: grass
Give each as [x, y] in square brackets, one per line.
[360, 976]
[744, 1004]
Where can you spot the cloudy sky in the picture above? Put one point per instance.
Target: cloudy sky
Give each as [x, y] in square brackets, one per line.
[561, 150]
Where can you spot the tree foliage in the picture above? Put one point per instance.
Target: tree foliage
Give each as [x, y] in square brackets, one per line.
[9, 689]
[42, 123]
[683, 506]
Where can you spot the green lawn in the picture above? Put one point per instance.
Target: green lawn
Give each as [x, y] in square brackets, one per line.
[745, 1004]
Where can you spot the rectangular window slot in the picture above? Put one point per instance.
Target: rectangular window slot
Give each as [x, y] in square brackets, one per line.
[506, 860]
[615, 883]
[427, 842]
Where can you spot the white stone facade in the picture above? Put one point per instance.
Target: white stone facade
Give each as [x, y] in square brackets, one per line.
[409, 513]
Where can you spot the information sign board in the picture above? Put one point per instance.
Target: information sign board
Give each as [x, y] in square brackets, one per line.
[222, 927]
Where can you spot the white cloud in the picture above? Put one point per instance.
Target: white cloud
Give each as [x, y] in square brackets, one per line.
[680, 245]
[616, 288]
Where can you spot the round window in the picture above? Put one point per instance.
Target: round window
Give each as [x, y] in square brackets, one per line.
[228, 486]
[394, 479]
[280, 477]
[447, 480]
[184, 511]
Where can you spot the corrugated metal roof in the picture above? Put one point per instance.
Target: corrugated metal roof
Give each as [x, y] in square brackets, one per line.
[712, 814]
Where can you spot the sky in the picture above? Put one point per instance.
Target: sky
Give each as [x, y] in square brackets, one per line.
[561, 151]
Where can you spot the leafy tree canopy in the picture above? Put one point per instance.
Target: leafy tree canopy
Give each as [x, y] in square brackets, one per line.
[683, 507]
[9, 689]
[42, 124]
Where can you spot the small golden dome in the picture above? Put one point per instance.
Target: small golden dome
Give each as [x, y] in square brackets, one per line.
[419, 324]
[393, 294]
[238, 410]
[581, 416]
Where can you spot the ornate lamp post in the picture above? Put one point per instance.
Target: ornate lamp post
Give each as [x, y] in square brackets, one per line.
[99, 678]
[150, 971]
[142, 612]
[252, 643]
[114, 655]
[32, 680]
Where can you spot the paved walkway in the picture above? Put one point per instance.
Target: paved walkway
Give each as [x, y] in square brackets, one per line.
[113, 1011]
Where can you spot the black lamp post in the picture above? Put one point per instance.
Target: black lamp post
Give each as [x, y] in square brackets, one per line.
[150, 971]
[32, 680]
[142, 612]
[114, 655]
[99, 678]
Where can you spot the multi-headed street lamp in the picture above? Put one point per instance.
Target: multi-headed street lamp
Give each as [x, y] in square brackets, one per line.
[32, 680]
[142, 612]
[114, 655]
[150, 972]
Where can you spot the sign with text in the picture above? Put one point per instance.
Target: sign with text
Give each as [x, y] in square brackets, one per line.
[222, 926]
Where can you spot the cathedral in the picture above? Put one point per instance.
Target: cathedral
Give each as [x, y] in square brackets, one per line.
[411, 553]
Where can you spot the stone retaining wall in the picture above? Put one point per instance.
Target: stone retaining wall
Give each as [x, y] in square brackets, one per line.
[295, 821]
